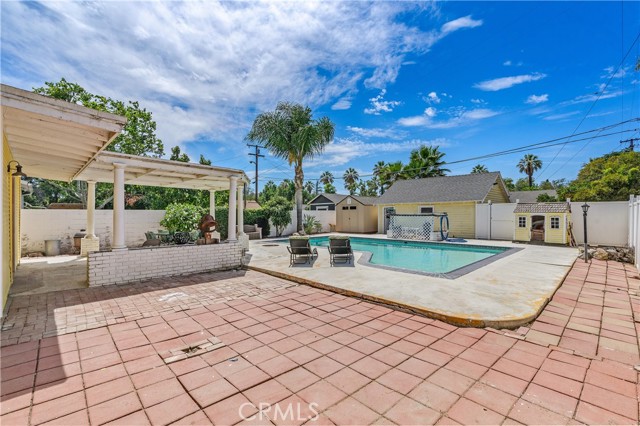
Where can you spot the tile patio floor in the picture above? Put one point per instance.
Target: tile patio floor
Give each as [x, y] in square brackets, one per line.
[288, 346]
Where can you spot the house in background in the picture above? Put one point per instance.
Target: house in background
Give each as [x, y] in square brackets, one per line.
[455, 195]
[357, 214]
[530, 196]
[542, 222]
[252, 205]
[325, 201]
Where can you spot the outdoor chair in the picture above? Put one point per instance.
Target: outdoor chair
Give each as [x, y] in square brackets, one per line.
[254, 232]
[150, 235]
[340, 249]
[299, 247]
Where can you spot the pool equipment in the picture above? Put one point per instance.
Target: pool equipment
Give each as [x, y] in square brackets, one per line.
[418, 226]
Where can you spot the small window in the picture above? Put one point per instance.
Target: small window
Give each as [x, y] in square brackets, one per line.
[322, 208]
[352, 207]
[425, 210]
[345, 207]
[555, 223]
[522, 221]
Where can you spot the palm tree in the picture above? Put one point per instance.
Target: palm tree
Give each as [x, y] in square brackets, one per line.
[391, 173]
[351, 178]
[426, 161]
[479, 168]
[291, 133]
[326, 178]
[529, 164]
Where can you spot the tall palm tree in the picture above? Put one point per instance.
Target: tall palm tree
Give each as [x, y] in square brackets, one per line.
[291, 133]
[351, 178]
[479, 168]
[426, 161]
[529, 164]
[378, 170]
[391, 173]
[326, 178]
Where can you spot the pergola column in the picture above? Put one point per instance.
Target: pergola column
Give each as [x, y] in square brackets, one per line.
[212, 203]
[117, 242]
[233, 188]
[91, 209]
[241, 208]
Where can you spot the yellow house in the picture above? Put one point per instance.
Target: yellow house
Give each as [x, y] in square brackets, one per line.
[455, 195]
[542, 222]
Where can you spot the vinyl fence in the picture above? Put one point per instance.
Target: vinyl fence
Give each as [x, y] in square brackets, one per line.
[608, 222]
[634, 227]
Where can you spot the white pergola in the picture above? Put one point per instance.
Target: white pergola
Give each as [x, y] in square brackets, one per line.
[54, 139]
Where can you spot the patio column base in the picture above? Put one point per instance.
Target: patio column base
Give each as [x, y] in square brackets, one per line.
[243, 241]
[89, 244]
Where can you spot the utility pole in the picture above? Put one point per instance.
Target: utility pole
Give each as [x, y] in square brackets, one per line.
[631, 143]
[257, 156]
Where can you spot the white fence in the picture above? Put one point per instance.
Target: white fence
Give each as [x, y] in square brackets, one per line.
[608, 222]
[36, 226]
[326, 218]
[634, 227]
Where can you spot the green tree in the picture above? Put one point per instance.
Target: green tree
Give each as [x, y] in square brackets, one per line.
[479, 168]
[529, 164]
[546, 185]
[269, 190]
[291, 133]
[351, 178]
[522, 184]
[176, 155]
[425, 162]
[391, 173]
[546, 198]
[204, 161]
[326, 178]
[508, 182]
[279, 211]
[329, 188]
[612, 177]
[138, 136]
[368, 188]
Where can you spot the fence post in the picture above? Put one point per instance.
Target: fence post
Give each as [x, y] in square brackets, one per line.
[631, 228]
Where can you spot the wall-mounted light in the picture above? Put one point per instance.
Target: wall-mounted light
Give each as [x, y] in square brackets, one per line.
[18, 172]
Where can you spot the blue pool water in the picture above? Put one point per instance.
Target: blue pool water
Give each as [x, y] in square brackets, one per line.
[418, 256]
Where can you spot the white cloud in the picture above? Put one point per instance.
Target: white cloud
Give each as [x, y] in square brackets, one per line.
[620, 73]
[430, 112]
[342, 104]
[460, 23]
[378, 133]
[432, 98]
[461, 117]
[507, 82]
[379, 105]
[477, 101]
[507, 63]
[205, 69]
[592, 97]
[537, 99]
[562, 116]
[343, 150]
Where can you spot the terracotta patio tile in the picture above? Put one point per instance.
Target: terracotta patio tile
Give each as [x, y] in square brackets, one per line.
[285, 345]
[611, 383]
[231, 366]
[504, 382]
[524, 358]
[370, 367]
[268, 392]
[377, 397]
[19, 384]
[398, 380]
[114, 409]
[323, 366]
[344, 337]
[417, 367]
[149, 377]
[467, 368]
[569, 371]
[383, 338]
[390, 356]
[138, 418]
[78, 418]
[15, 401]
[231, 410]
[108, 390]
[55, 374]
[558, 383]
[213, 392]
[137, 352]
[20, 417]
[469, 412]
[58, 407]
[570, 359]
[142, 364]
[551, 400]
[171, 410]
[348, 380]
[490, 397]
[515, 369]
[325, 346]
[198, 378]
[351, 412]
[528, 413]
[159, 392]
[219, 355]
[420, 339]
[277, 365]
[433, 396]
[434, 357]
[365, 346]
[293, 410]
[409, 412]
[187, 365]
[451, 380]
[247, 378]
[297, 379]
[620, 404]
[590, 414]
[303, 355]
[323, 394]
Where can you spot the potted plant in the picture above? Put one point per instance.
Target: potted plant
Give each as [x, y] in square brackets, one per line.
[181, 219]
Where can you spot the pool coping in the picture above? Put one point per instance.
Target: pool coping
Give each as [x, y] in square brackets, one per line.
[365, 259]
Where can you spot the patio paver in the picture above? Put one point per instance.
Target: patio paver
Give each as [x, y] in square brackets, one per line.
[293, 349]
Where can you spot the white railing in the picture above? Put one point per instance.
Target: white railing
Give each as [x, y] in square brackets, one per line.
[634, 227]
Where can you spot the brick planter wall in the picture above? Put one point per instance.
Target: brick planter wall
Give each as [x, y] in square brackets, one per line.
[131, 265]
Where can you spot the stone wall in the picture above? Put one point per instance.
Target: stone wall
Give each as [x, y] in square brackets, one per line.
[131, 265]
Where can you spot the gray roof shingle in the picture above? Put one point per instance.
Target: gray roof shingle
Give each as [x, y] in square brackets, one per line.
[472, 187]
[530, 196]
[335, 198]
[542, 208]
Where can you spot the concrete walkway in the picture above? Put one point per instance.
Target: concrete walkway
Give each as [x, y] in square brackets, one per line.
[37, 275]
[506, 293]
[259, 350]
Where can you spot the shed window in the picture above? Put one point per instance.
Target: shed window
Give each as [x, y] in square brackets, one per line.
[522, 221]
[345, 207]
[426, 209]
[352, 207]
[555, 223]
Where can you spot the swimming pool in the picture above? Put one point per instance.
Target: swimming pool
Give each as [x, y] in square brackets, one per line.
[440, 259]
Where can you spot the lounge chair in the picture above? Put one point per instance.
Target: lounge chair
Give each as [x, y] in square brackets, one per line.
[300, 247]
[340, 249]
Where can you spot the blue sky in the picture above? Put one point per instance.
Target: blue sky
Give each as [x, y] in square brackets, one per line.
[471, 77]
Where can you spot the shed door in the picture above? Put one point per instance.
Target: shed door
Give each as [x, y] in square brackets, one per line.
[537, 228]
[351, 219]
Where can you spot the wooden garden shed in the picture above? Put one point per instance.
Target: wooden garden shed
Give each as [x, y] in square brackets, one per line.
[542, 222]
[357, 214]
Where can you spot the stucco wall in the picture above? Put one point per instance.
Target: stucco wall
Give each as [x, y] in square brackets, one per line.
[45, 224]
[462, 217]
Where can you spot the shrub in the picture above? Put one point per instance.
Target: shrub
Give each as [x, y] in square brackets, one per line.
[311, 225]
[259, 217]
[279, 211]
[182, 217]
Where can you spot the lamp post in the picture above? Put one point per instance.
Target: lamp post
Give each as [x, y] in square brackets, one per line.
[585, 209]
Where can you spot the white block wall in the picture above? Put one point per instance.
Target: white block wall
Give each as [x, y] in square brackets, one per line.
[125, 266]
[39, 225]
[326, 217]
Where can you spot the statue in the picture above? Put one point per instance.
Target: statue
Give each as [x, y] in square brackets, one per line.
[207, 227]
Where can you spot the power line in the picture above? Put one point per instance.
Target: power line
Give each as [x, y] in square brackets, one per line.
[630, 141]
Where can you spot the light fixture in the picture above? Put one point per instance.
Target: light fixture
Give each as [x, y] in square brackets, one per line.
[18, 172]
[585, 208]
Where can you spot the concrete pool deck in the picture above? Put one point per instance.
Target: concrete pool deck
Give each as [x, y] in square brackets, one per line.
[506, 293]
